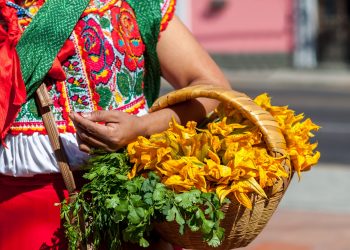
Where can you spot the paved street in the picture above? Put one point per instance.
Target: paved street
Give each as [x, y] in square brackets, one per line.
[315, 211]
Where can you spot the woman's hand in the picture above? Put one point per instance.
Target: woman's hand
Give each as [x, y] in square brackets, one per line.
[183, 63]
[107, 130]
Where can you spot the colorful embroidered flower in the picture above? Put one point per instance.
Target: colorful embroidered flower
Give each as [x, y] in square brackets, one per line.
[96, 50]
[126, 36]
[80, 99]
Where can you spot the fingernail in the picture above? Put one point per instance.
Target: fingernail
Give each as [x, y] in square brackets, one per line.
[86, 115]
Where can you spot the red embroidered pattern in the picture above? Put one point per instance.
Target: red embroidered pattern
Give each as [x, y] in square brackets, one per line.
[126, 36]
[168, 11]
[107, 70]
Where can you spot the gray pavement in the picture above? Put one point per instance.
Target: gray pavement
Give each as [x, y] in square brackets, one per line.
[324, 189]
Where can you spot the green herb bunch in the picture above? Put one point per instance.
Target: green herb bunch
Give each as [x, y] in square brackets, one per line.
[116, 209]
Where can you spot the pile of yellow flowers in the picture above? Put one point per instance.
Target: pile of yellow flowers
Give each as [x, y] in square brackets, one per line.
[228, 157]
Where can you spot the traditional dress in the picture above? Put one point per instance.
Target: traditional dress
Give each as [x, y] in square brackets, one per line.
[105, 72]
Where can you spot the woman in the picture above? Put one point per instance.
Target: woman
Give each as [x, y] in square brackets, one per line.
[103, 99]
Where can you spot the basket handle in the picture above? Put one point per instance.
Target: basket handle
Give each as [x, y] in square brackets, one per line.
[260, 117]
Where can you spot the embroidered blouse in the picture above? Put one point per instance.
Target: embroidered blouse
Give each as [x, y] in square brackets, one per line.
[105, 73]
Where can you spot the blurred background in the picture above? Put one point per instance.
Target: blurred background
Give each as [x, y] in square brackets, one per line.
[299, 52]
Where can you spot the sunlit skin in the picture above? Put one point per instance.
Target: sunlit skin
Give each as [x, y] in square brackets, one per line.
[183, 63]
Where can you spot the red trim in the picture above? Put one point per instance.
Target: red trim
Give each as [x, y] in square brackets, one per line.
[168, 16]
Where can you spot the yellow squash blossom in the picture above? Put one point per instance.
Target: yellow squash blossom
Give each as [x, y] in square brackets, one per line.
[228, 157]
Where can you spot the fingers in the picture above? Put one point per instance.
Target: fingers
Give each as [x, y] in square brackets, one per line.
[84, 148]
[102, 116]
[88, 141]
[89, 127]
[110, 136]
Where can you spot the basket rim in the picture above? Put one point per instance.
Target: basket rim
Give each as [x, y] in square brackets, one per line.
[267, 124]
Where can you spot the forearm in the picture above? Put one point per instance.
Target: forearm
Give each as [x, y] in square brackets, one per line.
[183, 63]
[193, 110]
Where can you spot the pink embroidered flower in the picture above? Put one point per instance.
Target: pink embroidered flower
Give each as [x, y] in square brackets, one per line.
[80, 100]
[96, 51]
[126, 36]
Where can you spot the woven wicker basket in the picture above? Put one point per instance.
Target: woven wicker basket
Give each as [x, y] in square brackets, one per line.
[241, 225]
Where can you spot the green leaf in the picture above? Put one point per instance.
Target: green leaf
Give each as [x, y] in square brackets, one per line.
[158, 195]
[146, 186]
[121, 177]
[105, 96]
[178, 217]
[154, 177]
[148, 199]
[220, 232]
[165, 209]
[136, 200]
[138, 84]
[171, 214]
[182, 229]
[207, 226]
[112, 202]
[105, 23]
[123, 206]
[200, 214]
[214, 241]
[209, 208]
[193, 223]
[133, 217]
[207, 196]
[184, 200]
[141, 212]
[220, 214]
[118, 217]
[132, 187]
[143, 242]
[124, 83]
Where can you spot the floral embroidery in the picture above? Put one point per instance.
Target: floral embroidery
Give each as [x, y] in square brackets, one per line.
[126, 36]
[97, 51]
[105, 73]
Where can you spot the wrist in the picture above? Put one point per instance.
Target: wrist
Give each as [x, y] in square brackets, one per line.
[144, 125]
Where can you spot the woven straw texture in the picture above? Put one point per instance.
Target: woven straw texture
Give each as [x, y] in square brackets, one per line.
[241, 225]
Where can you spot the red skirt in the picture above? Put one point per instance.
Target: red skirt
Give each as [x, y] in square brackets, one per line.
[29, 213]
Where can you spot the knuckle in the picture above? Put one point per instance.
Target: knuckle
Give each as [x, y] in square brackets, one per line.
[83, 136]
[98, 115]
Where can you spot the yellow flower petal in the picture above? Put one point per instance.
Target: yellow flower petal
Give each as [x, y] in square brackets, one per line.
[243, 199]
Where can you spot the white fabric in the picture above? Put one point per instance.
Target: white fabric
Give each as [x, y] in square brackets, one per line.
[29, 155]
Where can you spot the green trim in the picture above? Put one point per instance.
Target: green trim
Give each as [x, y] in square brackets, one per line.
[44, 37]
[148, 16]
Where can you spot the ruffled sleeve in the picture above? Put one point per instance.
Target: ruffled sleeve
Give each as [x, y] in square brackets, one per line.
[168, 11]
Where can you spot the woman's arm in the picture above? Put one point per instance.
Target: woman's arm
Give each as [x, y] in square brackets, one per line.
[183, 63]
